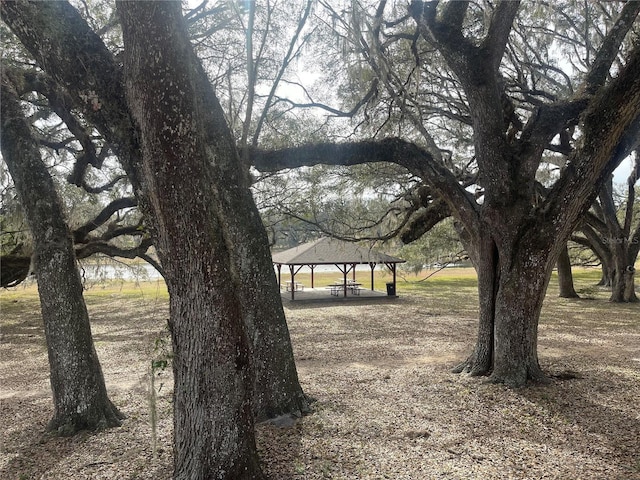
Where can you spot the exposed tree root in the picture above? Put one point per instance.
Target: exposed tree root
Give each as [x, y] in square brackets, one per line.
[473, 368]
[67, 426]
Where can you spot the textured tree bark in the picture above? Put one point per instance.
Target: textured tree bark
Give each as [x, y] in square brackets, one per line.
[43, 25]
[521, 292]
[511, 289]
[629, 294]
[79, 393]
[565, 276]
[484, 256]
[623, 279]
[184, 163]
[277, 390]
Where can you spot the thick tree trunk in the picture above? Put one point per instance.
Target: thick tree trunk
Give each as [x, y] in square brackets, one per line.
[43, 26]
[521, 292]
[623, 272]
[623, 280]
[619, 243]
[277, 390]
[510, 297]
[184, 164]
[79, 393]
[565, 276]
[485, 261]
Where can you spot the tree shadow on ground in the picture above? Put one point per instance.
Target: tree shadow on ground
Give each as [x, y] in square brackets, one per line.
[31, 451]
[587, 408]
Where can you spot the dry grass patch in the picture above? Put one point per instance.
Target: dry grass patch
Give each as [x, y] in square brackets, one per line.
[387, 406]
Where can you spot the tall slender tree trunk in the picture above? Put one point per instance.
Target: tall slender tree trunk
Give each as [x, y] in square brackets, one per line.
[188, 154]
[565, 276]
[77, 383]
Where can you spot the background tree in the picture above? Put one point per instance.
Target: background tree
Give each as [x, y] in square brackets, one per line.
[611, 229]
[79, 393]
[565, 275]
[513, 235]
[96, 198]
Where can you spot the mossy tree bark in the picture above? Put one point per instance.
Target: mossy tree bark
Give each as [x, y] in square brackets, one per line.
[79, 393]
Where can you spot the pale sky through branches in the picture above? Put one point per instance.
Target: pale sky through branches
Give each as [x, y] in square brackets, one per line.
[306, 78]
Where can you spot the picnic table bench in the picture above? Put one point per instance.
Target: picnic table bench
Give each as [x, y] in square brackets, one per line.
[294, 285]
[337, 287]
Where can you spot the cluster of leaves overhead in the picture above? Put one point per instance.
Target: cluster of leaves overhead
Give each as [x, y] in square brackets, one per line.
[417, 96]
[371, 55]
[251, 52]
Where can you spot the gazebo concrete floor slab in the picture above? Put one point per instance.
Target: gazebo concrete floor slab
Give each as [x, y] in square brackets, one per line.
[323, 295]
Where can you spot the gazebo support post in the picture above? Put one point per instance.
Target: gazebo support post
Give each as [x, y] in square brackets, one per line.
[312, 267]
[395, 288]
[279, 267]
[373, 266]
[344, 280]
[293, 281]
[393, 270]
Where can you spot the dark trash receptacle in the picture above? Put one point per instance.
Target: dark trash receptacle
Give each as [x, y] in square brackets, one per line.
[391, 289]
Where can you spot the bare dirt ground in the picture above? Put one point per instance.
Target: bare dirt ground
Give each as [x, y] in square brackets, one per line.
[387, 406]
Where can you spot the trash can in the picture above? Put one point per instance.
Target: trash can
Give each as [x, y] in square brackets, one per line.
[391, 289]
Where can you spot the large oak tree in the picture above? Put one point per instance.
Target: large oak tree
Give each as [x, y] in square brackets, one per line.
[513, 235]
[191, 176]
[227, 320]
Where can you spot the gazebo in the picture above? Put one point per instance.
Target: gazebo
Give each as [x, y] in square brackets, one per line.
[329, 251]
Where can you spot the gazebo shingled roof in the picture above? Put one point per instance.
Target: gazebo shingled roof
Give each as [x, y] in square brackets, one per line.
[330, 251]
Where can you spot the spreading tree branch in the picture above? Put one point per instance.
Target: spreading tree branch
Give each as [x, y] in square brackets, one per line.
[610, 48]
[393, 150]
[80, 234]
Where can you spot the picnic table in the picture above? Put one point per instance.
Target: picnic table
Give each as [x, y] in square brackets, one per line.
[339, 286]
[294, 285]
